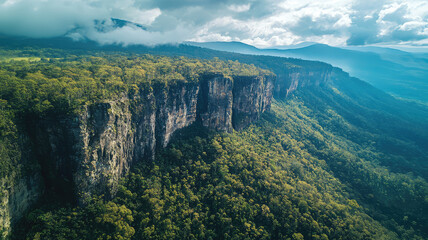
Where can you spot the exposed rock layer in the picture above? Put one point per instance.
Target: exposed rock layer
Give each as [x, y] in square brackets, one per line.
[86, 154]
[299, 77]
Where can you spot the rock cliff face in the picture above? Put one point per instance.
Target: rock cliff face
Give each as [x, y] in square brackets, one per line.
[299, 77]
[21, 189]
[85, 154]
[104, 144]
[16, 197]
[175, 109]
[251, 96]
[215, 103]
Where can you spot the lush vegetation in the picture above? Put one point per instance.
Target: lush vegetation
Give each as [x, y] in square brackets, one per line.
[36, 86]
[342, 161]
[296, 174]
[9, 154]
[62, 85]
[228, 187]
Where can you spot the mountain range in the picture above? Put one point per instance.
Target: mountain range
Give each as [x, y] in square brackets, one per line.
[402, 74]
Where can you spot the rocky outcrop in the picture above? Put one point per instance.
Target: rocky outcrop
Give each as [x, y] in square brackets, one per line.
[104, 147]
[85, 154]
[16, 198]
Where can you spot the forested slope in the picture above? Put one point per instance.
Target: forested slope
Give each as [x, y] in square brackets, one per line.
[318, 166]
[72, 126]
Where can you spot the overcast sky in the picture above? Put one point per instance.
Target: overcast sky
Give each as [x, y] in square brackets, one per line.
[261, 23]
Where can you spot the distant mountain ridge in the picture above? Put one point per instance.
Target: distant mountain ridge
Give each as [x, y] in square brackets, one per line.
[237, 47]
[397, 72]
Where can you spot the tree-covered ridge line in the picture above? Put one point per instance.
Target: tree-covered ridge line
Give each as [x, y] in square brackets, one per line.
[65, 84]
[33, 49]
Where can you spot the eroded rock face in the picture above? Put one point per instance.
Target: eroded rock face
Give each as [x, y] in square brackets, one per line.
[143, 108]
[176, 109]
[215, 103]
[251, 97]
[299, 77]
[104, 147]
[21, 189]
[115, 134]
[85, 154]
[17, 197]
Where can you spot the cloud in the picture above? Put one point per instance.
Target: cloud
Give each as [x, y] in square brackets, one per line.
[239, 8]
[46, 18]
[389, 23]
[84, 19]
[135, 35]
[260, 22]
[308, 26]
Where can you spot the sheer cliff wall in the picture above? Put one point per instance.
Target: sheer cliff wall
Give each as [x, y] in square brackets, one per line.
[82, 155]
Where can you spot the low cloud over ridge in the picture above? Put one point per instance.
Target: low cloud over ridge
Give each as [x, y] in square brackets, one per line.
[262, 23]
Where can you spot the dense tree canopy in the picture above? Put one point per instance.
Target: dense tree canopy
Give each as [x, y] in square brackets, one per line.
[286, 177]
[65, 84]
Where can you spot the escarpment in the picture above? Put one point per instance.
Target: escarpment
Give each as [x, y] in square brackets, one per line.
[85, 154]
[296, 77]
[19, 192]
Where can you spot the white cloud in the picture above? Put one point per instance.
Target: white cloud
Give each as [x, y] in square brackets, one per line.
[46, 18]
[262, 23]
[143, 17]
[9, 3]
[239, 8]
[129, 35]
[211, 37]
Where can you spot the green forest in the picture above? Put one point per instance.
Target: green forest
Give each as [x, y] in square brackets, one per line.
[337, 161]
[263, 183]
[39, 86]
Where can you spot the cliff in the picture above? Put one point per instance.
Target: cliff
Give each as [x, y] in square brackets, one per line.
[251, 96]
[292, 78]
[85, 154]
[215, 103]
[21, 188]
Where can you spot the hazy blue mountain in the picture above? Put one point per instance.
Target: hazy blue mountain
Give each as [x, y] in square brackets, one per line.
[397, 72]
[121, 23]
[114, 23]
[403, 74]
[237, 47]
[299, 45]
